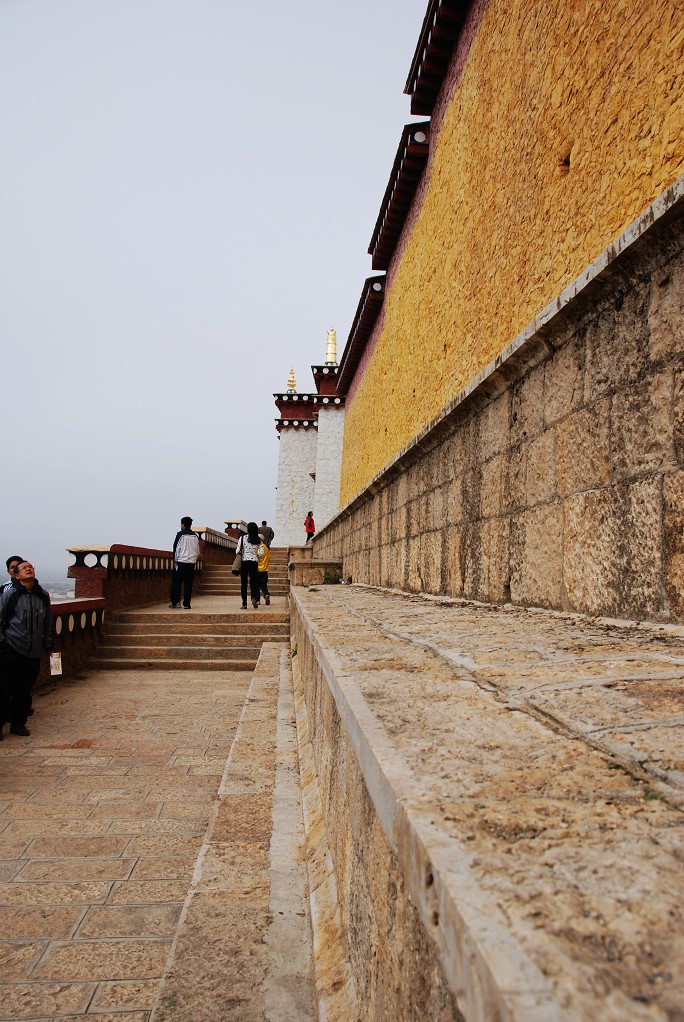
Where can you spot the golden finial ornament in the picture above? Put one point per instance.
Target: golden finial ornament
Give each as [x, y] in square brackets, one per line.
[331, 349]
[291, 385]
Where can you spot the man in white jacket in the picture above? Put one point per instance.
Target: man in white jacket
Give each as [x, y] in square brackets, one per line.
[186, 550]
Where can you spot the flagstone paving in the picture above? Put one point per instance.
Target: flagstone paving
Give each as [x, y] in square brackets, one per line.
[104, 811]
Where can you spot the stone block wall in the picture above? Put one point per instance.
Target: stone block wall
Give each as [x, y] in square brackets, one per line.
[556, 478]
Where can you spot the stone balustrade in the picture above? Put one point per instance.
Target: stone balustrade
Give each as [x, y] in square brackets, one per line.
[77, 630]
[129, 576]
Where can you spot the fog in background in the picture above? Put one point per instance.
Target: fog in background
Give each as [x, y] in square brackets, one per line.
[187, 193]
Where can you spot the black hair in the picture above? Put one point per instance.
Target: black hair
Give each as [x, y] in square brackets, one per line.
[14, 557]
[187, 521]
[253, 533]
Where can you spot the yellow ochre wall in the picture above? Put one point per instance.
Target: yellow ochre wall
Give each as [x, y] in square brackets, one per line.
[505, 226]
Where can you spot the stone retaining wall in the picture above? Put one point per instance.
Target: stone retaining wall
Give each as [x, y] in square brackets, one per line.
[396, 967]
[556, 478]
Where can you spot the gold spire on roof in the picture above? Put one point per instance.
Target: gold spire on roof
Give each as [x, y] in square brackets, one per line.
[331, 349]
[291, 385]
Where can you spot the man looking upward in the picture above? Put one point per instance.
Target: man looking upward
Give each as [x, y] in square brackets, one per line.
[11, 563]
[25, 635]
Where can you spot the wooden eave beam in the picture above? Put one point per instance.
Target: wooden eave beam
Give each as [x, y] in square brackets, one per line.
[407, 169]
[441, 28]
[367, 311]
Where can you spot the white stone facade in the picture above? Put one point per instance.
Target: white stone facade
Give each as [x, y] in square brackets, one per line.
[295, 495]
[328, 464]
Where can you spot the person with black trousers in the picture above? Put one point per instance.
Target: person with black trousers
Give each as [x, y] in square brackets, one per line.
[186, 551]
[248, 546]
[25, 635]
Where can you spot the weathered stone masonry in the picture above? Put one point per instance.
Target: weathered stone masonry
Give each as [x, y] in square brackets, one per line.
[556, 477]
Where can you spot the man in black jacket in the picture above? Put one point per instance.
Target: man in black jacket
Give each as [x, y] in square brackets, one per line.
[25, 635]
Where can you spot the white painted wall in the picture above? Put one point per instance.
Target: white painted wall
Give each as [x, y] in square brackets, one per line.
[295, 495]
[328, 463]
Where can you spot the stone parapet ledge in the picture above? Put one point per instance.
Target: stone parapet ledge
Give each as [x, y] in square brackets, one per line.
[493, 781]
[459, 959]
[301, 553]
[307, 572]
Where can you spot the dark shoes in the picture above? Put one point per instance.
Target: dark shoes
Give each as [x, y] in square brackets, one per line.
[19, 729]
[186, 608]
[255, 604]
[267, 600]
[244, 606]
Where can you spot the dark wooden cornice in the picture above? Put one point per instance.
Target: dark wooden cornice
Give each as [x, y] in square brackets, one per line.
[442, 25]
[409, 164]
[367, 311]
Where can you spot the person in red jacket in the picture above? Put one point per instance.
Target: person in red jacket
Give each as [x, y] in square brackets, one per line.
[310, 526]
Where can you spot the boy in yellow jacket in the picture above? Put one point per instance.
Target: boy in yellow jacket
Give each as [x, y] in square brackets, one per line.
[264, 555]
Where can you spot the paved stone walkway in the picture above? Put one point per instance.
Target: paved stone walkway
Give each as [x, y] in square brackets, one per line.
[128, 777]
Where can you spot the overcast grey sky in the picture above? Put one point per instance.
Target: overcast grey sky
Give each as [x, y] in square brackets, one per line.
[187, 193]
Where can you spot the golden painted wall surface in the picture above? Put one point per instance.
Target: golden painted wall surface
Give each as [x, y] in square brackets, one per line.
[506, 224]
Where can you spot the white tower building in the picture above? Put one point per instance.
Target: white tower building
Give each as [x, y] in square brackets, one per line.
[310, 428]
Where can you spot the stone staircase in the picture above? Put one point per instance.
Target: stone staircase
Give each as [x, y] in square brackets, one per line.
[192, 640]
[217, 579]
[214, 636]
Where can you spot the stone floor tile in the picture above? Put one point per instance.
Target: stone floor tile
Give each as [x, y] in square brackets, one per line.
[115, 811]
[32, 828]
[76, 869]
[163, 868]
[101, 960]
[91, 769]
[236, 868]
[81, 893]
[130, 921]
[184, 811]
[44, 811]
[68, 847]
[19, 923]
[164, 844]
[204, 975]
[141, 892]
[125, 996]
[127, 795]
[9, 869]
[57, 796]
[243, 818]
[28, 1000]
[191, 796]
[17, 959]
[125, 1016]
[186, 828]
[12, 847]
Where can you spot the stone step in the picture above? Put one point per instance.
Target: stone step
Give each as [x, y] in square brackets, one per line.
[229, 590]
[211, 580]
[245, 628]
[176, 639]
[132, 664]
[192, 653]
[280, 571]
[263, 615]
